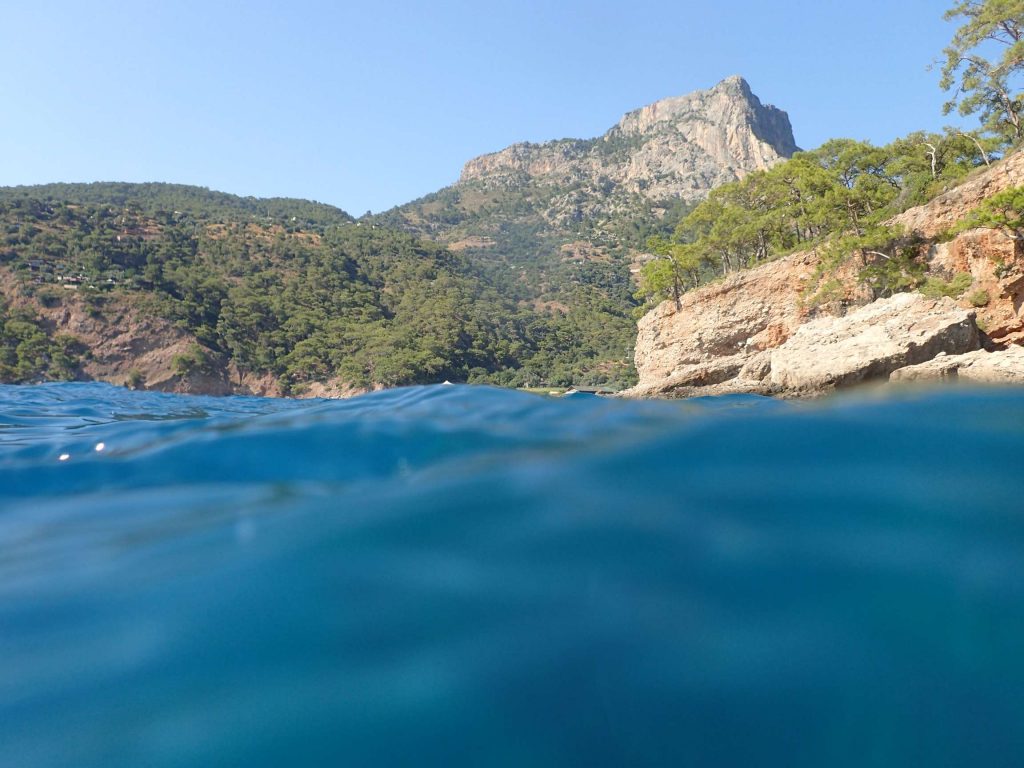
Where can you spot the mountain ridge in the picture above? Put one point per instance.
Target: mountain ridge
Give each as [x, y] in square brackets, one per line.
[676, 147]
[564, 225]
[166, 197]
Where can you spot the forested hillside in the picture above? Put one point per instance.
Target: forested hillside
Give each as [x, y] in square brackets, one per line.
[158, 199]
[289, 289]
[516, 276]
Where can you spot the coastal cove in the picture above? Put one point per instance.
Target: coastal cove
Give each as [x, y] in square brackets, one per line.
[649, 416]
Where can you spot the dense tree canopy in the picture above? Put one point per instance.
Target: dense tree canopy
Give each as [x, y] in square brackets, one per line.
[28, 352]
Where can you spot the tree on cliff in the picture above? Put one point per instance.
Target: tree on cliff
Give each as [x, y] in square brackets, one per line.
[984, 63]
[1003, 212]
[675, 270]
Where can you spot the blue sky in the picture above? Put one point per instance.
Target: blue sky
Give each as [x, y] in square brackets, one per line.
[368, 105]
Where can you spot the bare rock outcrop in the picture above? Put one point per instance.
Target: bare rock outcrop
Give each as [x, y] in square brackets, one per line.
[999, 367]
[872, 342]
[719, 330]
[995, 263]
[676, 148]
[790, 357]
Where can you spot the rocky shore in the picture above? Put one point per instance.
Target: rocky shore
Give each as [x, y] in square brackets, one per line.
[760, 331]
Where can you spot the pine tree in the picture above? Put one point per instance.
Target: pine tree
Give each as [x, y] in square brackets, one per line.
[984, 62]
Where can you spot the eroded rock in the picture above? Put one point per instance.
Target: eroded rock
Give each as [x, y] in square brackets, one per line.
[676, 148]
[722, 326]
[938, 215]
[1000, 367]
[872, 342]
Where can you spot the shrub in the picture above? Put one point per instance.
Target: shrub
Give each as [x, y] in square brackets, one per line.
[1002, 269]
[829, 291]
[197, 360]
[979, 298]
[936, 287]
[135, 379]
[887, 277]
[50, 297]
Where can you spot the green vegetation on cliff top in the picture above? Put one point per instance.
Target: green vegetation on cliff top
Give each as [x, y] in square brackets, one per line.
[840, 196]
[836, 198]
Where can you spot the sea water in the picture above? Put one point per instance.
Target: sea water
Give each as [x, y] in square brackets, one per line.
[446, 576]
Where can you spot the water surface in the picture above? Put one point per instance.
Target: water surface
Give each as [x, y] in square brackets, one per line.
[445, 576]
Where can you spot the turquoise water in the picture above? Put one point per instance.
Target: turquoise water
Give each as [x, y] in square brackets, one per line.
[447, 576]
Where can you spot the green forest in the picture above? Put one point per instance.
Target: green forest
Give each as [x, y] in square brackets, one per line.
[288, 288]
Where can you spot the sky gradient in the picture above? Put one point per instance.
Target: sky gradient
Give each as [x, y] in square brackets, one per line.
[370, 105]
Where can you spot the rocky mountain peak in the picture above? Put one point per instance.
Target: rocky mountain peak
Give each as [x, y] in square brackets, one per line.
[729, 99]
[676, 148]
[727, 121]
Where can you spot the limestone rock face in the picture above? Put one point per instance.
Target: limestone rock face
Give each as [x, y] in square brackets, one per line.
[872, 342]
[995, 263]
[783, 355]
[728, 122]
[1002, 367]
[677, 148]
[719, 330]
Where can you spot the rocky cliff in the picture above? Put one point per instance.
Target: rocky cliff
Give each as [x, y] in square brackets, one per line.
[676, 148]
[757, 331]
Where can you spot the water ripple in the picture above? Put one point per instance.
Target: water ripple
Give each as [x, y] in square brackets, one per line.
[457, 575]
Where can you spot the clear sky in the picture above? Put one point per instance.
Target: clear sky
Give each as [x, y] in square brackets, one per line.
[371, 104]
